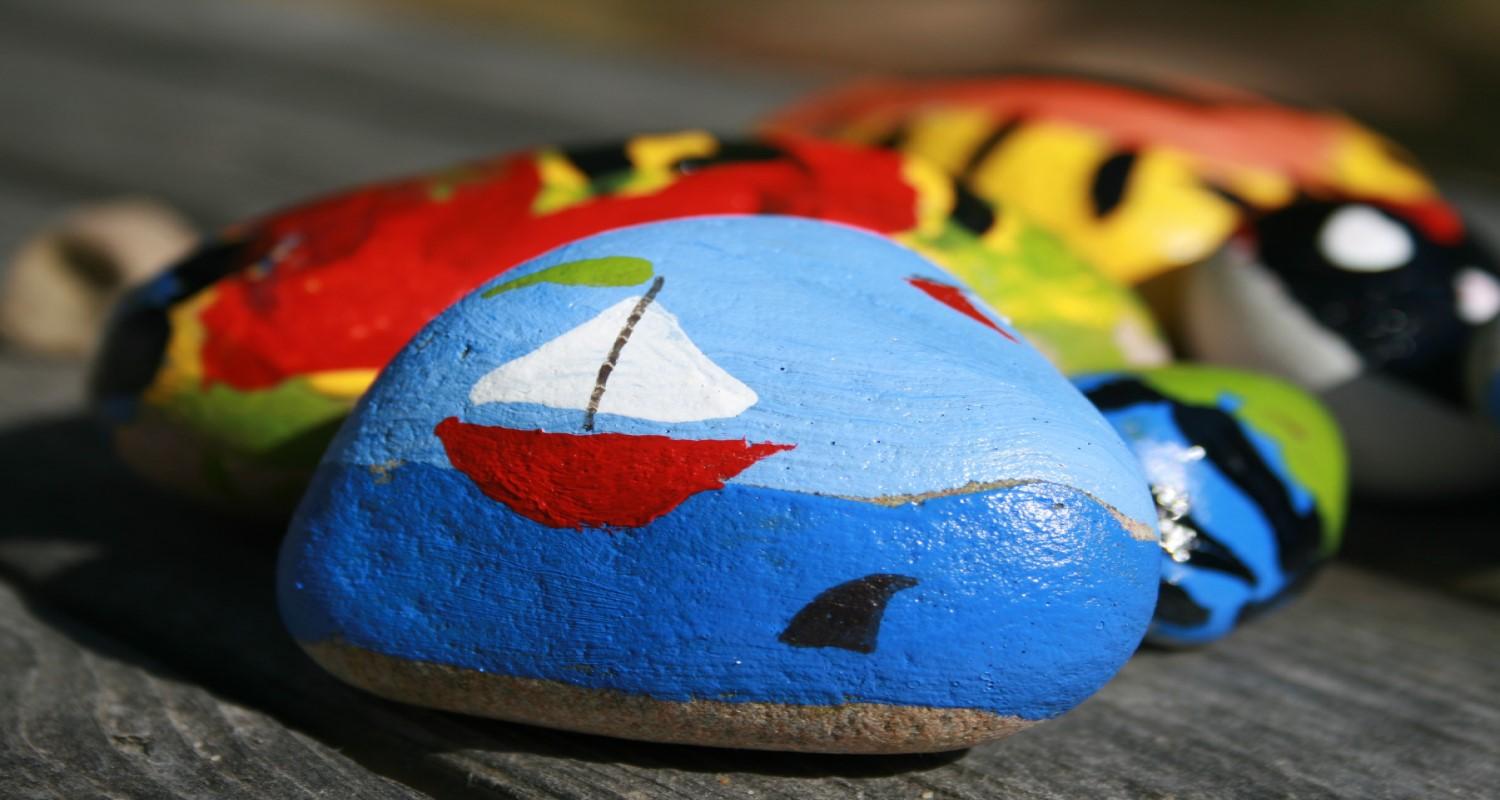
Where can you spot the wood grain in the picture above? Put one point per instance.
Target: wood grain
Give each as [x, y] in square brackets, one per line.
[82, 717]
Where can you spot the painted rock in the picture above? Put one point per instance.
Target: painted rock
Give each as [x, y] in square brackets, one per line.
[1392, 327]
[1141, 180]
[226, 378]
[1370, 289]
[1249, 479]
[755, 482]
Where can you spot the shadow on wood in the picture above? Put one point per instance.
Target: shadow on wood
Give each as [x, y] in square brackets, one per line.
[1449, 545]
[77, 720]
[196, 591]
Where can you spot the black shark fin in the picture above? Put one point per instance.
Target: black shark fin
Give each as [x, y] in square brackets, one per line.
[846, 616]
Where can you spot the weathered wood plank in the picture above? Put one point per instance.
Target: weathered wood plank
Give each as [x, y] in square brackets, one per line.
[230, 108]
[82, 717]
[434, 68]
[218, 155]
[33, 386]
[1366, 688]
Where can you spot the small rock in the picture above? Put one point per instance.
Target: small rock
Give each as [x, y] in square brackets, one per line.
[61, 283]
[1249, 477]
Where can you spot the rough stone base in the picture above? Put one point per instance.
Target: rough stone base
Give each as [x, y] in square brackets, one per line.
[850, 728]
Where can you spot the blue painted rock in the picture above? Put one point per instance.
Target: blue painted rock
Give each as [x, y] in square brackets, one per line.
[739, 481]
[1249, 478]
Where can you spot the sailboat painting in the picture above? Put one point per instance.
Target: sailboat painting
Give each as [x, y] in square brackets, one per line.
[752, 481]
[632, 360]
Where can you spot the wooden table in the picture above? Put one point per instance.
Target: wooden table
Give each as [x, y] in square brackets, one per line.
[140, 651]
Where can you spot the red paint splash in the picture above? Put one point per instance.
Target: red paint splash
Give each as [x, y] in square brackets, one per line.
[354, 276]
[953, 297]
[565, 480]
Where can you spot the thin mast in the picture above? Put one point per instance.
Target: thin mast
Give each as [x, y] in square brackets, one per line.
[614, 353]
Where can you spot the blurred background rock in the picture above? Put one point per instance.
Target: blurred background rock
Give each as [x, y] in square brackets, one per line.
[1426, 72]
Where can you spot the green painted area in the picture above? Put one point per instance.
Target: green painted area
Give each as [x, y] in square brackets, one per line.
[284, 426]
[254, 451]
[1309, 438]
[608, 271]
[1060, 302]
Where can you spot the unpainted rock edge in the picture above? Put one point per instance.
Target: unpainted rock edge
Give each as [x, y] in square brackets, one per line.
[867, 728]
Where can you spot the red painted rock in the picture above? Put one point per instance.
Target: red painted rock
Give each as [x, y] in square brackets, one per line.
[226, 377]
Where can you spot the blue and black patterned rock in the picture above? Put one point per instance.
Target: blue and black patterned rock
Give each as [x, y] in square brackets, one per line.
[1249, 478]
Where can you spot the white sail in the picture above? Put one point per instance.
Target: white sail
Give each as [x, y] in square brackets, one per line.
[660, 375]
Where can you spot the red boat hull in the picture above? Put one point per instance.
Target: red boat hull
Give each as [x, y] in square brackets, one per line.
[601, 480]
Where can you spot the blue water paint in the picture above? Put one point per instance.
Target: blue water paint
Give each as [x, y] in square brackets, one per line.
[1233, 564]
[1021, 588]
[1027, 598]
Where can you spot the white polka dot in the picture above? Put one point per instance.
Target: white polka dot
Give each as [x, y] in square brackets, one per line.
[1478, 295]
[1359, 238]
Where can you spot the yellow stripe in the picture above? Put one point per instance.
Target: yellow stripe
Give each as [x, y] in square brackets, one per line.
[182, 360]
[563, 184]
[948, 137]
[934, 194]
[661, 151]
[342, 384]
[652, 157]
